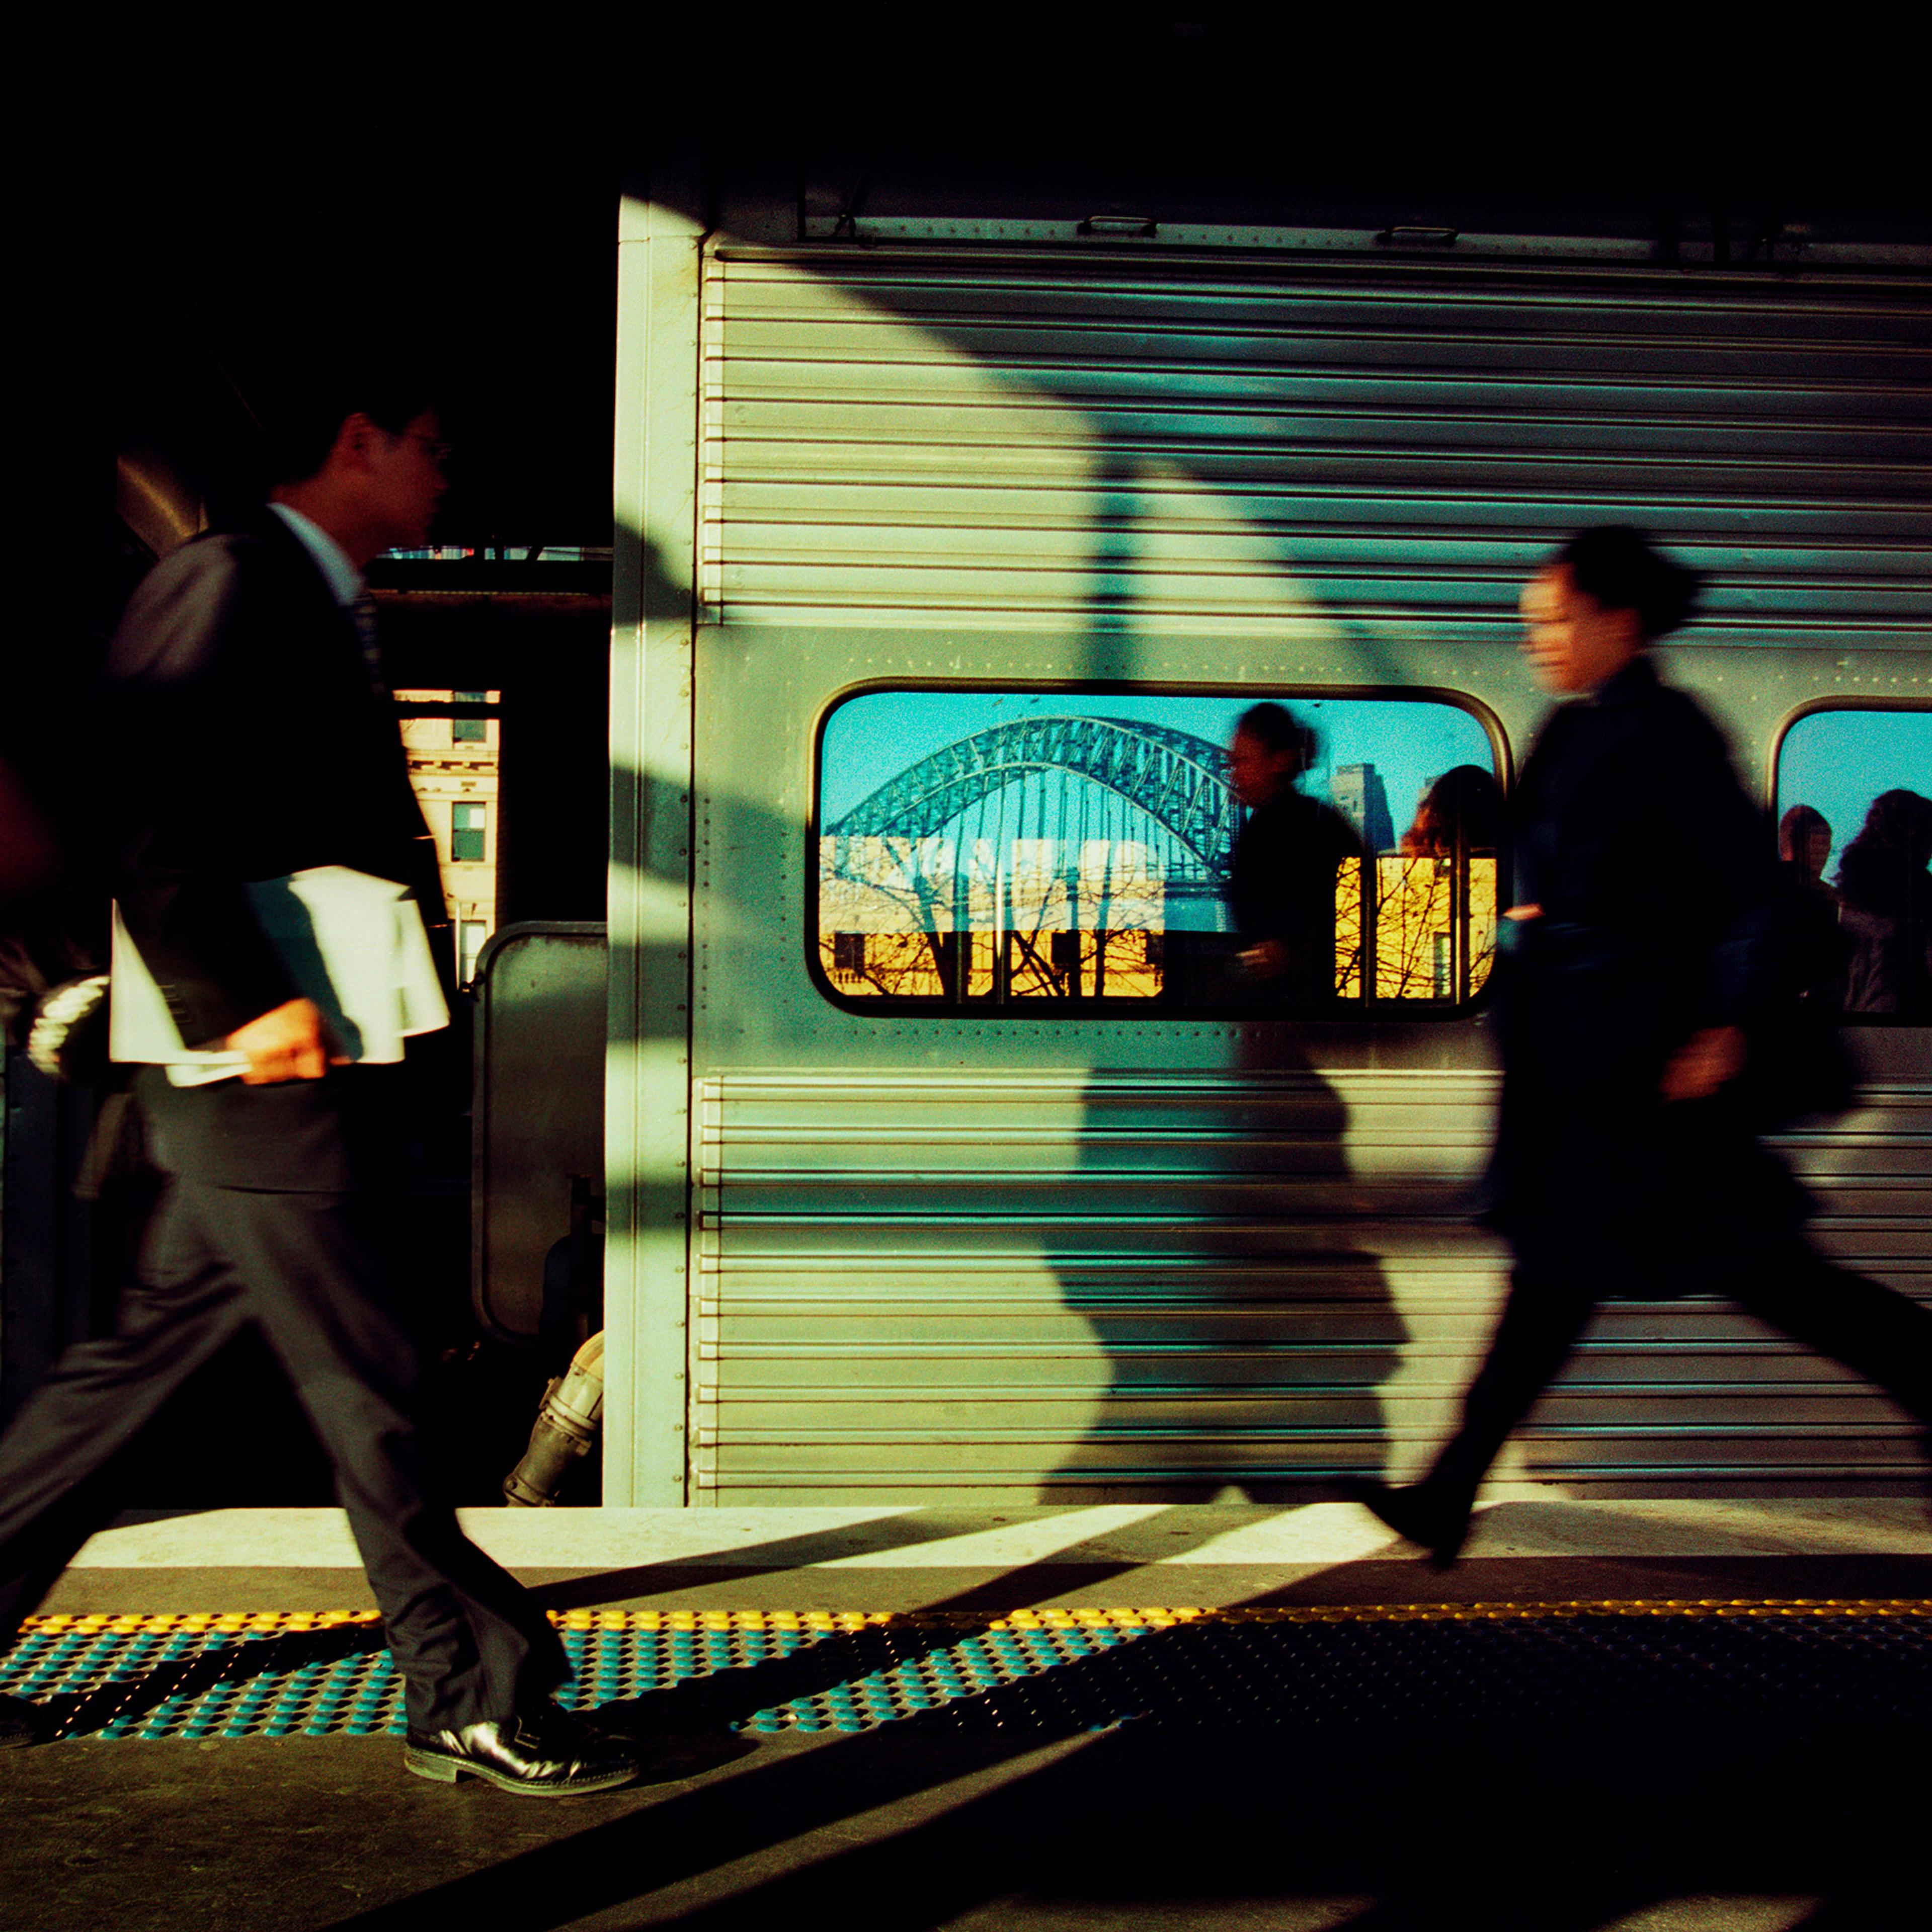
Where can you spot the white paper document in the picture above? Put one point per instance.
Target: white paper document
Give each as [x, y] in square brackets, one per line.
[353, 943]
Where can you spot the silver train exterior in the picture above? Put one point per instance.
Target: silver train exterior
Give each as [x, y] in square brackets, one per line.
[892, 1256]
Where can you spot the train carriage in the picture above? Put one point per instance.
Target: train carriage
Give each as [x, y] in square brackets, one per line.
[940, 1165]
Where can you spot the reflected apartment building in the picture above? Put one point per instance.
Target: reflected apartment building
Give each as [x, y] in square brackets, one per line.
[1040, 917]
[454, 764]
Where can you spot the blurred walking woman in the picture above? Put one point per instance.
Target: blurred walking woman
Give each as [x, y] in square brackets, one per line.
[1638, 997]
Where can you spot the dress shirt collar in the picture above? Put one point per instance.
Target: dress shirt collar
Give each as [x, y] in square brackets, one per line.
[343, 579]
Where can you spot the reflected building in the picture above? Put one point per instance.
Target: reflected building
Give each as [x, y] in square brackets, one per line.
[455, 765]
[1040, 918]
[1432, 927]
[1358, 792]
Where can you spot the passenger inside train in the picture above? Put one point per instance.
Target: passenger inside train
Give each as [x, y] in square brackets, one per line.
[1460, 814]
[1885, 906]
[1804, 840]
[1817, 946]
[1855, 834]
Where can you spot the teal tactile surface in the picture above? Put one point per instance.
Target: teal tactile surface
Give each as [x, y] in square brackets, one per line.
[328, 1673]
[202, 1677]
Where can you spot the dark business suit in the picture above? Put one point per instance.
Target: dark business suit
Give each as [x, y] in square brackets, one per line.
[1656, 879]
[246, 737]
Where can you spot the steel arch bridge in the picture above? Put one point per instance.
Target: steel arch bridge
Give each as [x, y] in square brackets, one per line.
[1178, 781]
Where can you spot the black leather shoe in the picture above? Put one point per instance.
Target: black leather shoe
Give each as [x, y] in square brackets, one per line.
[546, 1753]
[1413, 1514]
[19, 1722]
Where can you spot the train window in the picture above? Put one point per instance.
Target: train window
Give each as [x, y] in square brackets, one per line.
[1855, 828]
[1063, 850]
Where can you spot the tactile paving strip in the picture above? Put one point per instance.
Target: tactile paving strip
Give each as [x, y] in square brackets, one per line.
[326, 1673]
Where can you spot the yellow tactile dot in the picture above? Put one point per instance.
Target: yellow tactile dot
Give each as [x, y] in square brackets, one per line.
[105, 1623]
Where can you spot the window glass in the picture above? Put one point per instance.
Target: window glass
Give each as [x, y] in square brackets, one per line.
[470, 731]
[470, 935]
[985, 849]
[1855, 835]
[468, 831]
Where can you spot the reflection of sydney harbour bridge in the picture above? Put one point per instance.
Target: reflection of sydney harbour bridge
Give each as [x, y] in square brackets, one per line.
[1069, 780]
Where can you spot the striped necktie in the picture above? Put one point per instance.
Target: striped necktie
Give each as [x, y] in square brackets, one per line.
[363, 611]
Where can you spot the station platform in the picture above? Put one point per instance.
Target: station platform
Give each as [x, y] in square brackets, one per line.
[1525, 1544]
[1662, 1713]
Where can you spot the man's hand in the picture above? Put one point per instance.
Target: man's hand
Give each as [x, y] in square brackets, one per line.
[1704, 1062]
[290, 1042]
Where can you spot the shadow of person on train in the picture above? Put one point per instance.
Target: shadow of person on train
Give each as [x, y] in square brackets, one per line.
[1212, 1257]
[1246, 1338]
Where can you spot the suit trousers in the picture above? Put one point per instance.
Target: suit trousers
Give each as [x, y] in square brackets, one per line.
[1883, 1336]
[305, 1266]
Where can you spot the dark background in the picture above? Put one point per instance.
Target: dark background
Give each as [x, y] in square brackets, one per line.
[182, 236]
[193, 213]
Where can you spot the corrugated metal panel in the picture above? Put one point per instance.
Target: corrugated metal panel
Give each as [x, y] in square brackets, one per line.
[1051, 1286]
[915, 437]
[1059, 1283]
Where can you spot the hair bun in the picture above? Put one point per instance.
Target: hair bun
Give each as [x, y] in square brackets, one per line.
[1623, 570]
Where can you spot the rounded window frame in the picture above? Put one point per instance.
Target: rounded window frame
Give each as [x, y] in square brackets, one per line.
[1812, 707]
[1367, 1012]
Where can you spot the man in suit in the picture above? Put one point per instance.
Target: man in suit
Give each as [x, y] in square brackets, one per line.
[248, 736]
